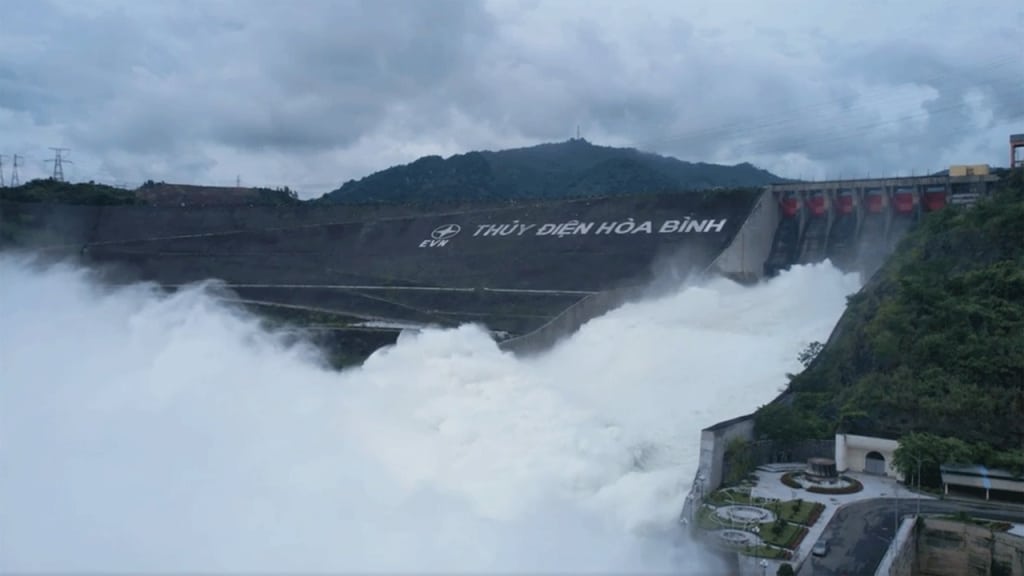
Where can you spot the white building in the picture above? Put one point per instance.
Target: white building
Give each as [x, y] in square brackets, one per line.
[870, 455]
[866, 454]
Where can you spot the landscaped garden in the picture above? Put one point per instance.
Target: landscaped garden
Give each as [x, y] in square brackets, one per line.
[761, 527]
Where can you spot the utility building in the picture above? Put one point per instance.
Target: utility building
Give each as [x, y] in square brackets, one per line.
[1016, 144]
[976, 478]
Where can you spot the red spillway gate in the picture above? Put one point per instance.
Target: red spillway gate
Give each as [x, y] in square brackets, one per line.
[875, 200]
[844, 202]
[817, 203]
[903, 200]
[790, 204]
[935, 198]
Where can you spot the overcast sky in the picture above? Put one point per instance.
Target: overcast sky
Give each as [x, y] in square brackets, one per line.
[311, 93]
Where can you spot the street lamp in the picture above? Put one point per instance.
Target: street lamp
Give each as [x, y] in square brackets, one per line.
[764, 567]
[918, 460]
[917, 496]
[896, 519]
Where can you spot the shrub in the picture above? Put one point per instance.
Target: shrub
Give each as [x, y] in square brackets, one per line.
[785, 569]
[816, 511]
[790, 481]
[777, 526]
[1001, 526]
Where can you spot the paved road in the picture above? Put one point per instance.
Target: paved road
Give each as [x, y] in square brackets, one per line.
[859, 533]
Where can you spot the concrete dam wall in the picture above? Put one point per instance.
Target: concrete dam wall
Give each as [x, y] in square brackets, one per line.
[511, 267]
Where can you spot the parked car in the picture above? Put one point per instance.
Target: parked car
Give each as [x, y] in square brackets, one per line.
[820, 547]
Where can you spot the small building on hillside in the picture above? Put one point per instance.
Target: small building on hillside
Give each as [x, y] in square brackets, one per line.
[866, 454]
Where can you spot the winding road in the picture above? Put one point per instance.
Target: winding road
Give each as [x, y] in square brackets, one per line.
[860, 532]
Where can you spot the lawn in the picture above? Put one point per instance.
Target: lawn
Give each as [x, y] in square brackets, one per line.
[767, 552]
[807, 513]
[784, 538]
[706, 519]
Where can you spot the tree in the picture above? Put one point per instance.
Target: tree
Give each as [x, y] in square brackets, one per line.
[932, 451]
[785, 569]
[784, 423]
[739, 460]
[810, 353]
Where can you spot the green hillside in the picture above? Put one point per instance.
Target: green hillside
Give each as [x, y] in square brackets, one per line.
[575, 168]
[58, 192]
[934, 345]
[51, 191]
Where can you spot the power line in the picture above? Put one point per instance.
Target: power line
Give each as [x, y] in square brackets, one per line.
[14, 170]
[58, 163]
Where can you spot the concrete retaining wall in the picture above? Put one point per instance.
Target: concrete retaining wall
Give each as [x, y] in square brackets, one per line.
[901, 557]
[745, 257]
[951, 548]
[772, 452]
[713, 443]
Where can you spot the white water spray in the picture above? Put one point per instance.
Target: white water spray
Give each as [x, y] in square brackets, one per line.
[143, 432]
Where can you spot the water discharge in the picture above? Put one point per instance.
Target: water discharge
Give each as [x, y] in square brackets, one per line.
[144, 432]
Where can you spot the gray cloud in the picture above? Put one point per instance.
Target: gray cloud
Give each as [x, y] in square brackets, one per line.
[315, 92]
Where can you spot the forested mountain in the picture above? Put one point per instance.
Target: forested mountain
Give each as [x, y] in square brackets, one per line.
[573, 168]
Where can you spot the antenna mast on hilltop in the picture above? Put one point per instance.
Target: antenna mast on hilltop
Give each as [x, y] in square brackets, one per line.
[1, 171]
[58, 163]
[14, 171]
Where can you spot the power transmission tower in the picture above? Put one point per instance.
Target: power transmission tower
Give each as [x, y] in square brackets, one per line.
[14, 171]
[58, 163]
[2, 171]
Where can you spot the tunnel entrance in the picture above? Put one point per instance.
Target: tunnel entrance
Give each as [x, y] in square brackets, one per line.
[874, 463]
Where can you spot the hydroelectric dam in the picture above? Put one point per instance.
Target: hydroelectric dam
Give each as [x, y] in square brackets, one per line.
[530, 272]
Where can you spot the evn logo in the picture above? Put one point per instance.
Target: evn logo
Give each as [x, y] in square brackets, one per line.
[441, 235]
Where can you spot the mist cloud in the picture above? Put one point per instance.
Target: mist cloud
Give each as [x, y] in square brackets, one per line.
[143, 432]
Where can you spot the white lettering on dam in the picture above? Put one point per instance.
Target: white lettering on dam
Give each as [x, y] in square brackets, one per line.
[628, 227]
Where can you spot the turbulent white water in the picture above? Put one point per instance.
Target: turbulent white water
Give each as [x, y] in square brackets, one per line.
[142, 432]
